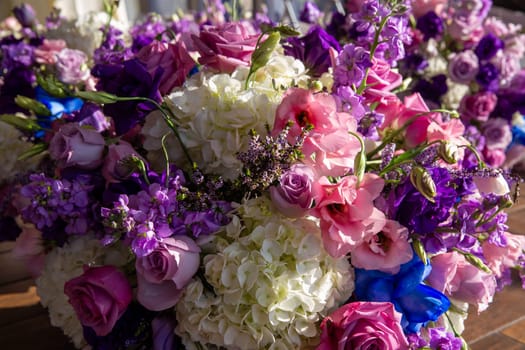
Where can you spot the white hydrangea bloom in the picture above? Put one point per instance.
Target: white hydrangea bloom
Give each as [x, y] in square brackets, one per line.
[11, 147]
[454, 95]
[215, 113]
[63, 264]
[273, 283]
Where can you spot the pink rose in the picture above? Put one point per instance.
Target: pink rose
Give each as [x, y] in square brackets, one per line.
[162, 274]
[46, 52]
[363, 325]
[421, 7]
[100, 296]
[384, 251]
[74, 145]
[381, 80]
[224, 48]
[328, 146]
[114, 170]
[29, 247]
[174, 60]
[453, 275]
[294, 194]
[477, 107]
[347, 212]
[500, 259]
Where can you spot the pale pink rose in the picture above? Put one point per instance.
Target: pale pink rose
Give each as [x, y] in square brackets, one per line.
[421, 7]
[173, 59]
[163, 274]
[328, 146]
[29, 248]
[74, 145]
[384, 251]
[453, 275]
[363, 325]
[114, 170]
[46, 52]
[226, 47]
[451, 131]
[294, 194]
[492, 184]
[382, 77]
[499, 259]
[347, 213]
[99, 296]
[494, 157]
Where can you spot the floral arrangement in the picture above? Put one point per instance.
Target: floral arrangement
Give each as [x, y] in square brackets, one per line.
[207, 182]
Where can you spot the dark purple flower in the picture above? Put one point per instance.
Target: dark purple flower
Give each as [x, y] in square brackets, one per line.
[432, 90]
[488, 46]
[413, 63]
[310, 13]
[337, 26]
[487, 77]
[129, 79]
[112, 50]
[144, 33]
[92, 115]
[17, 56]
[313, 49]
[430, 24]
[25, 14]
[16, 82]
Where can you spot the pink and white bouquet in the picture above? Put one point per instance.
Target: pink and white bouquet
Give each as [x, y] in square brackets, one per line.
[238, 185]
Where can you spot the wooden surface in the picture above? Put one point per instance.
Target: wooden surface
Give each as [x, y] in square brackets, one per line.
[24, 324]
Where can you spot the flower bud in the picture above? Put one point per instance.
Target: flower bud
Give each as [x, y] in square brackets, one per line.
[420, 250]
[262, 53]
[423, 182]
[448, 152]
[474, 260]
[32, 105]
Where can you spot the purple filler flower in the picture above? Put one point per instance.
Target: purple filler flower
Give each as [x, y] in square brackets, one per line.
[351, 65]
[488, 46]
[430, 24]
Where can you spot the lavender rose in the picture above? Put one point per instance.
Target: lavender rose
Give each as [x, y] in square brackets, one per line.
[74, 145]
[162, 274]
[463, 67]
[497, 133]
[114, 169]
[71, 66]
[363, 325]
[100, 296]
[226, 47]
[478, 106]
[294, 195]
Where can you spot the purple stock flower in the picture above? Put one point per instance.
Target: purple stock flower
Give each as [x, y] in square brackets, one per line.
[352, 63]
[313, 49]
[430, 24]
[443, 340]
[112, 50]
[17, 55]
[487, 77]
[310, 13]
[144, 33]
[488, 46]
[129, 79]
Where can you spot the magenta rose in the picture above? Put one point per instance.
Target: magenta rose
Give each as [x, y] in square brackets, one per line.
[162, 274]
[224, 48]
[174, 60]
[74, 145]
[114, 168]
[99, 296]
[478, 106]
[294, 194]
[363, 325]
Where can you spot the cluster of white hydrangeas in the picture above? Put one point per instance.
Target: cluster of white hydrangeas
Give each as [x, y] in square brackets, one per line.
[272, 282]
[215, 113]
[454, 95]
[65, 263]
[11, 147]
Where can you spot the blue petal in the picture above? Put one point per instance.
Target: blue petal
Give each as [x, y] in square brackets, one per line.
[423, 304]
[72, 104]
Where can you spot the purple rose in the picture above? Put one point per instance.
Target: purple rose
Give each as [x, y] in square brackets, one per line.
[162, 274]
[71, 66]
[74, 145]
[25, 14]
[294, 194]
[463, 67]
[477, 107]
[488, 47]
[224, 48]
[100, 296]
[114, 169]
[497, 132]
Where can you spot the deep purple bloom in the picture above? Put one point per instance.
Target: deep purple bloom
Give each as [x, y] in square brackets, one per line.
[430, 24]
[413, 63]
[313, 50]
[144, 33]
[487, 77]
[112, 50]
[432, 90]
[129, 79]
[310, 13]
[17, 56]
[16, 82]
[92, 115]
[25, 14]
[337, 26]
[488, 46]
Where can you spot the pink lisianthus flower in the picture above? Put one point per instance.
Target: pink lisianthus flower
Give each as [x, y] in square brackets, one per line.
[384, 251]
[363, 325]
[163, 274]
[500, 259]
[347, 213]
[99, 296]
[453, 275]
[226, 47]
[47, 51]
[327, 146]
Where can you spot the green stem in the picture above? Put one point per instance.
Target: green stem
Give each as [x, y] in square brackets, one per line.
[234, 10]
[165, 152]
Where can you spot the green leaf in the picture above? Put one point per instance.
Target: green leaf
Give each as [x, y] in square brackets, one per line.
[20, 122]
[33, 105]
[97, 96]
[35, 150]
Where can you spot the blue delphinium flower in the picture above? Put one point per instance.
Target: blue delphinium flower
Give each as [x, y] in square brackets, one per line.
[417, 302]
